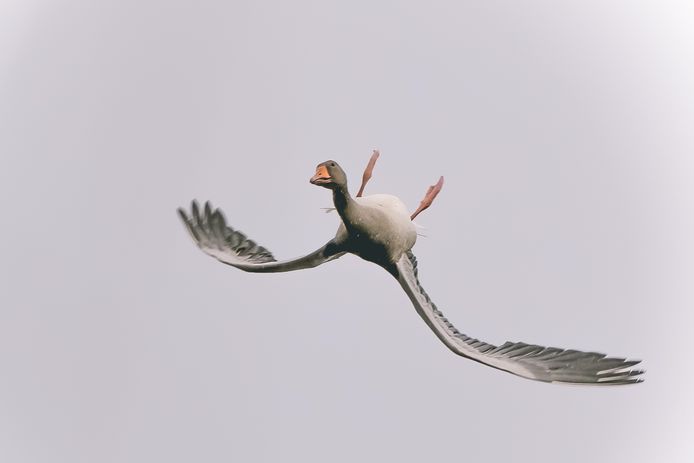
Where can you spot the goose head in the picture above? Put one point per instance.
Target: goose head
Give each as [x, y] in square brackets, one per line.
[329, 174]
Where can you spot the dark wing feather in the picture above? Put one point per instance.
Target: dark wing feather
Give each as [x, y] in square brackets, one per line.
[548, 364]
[214, 237]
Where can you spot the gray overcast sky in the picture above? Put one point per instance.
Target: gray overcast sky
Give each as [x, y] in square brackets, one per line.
[565, 135]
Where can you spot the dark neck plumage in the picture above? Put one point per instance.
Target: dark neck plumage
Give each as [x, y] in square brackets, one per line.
[344, 204]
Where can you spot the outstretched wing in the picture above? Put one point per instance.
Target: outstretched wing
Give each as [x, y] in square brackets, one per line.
[530, 361]
[214, 237]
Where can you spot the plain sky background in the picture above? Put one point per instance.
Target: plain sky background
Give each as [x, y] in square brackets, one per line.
[564, 130]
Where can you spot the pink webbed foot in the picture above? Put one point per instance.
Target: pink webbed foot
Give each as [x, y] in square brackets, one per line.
[431, 193]
[367, 172]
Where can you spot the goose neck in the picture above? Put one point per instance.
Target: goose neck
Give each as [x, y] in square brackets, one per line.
[344, 203]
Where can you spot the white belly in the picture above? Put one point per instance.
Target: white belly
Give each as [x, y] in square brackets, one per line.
[391, 224]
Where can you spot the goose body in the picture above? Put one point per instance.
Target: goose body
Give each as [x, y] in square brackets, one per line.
[378, 229]
[380, 221]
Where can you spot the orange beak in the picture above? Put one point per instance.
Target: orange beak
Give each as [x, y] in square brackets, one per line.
[321, 176]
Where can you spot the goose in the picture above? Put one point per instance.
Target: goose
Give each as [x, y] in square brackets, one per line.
[379, 229]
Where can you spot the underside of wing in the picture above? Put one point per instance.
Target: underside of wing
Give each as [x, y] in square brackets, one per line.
[530, 361]
[209, 230]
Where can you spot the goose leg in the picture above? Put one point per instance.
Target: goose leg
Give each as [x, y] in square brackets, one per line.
[431, 193]
[367, 172]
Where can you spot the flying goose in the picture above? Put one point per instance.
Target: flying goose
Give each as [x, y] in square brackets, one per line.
[379, 229]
